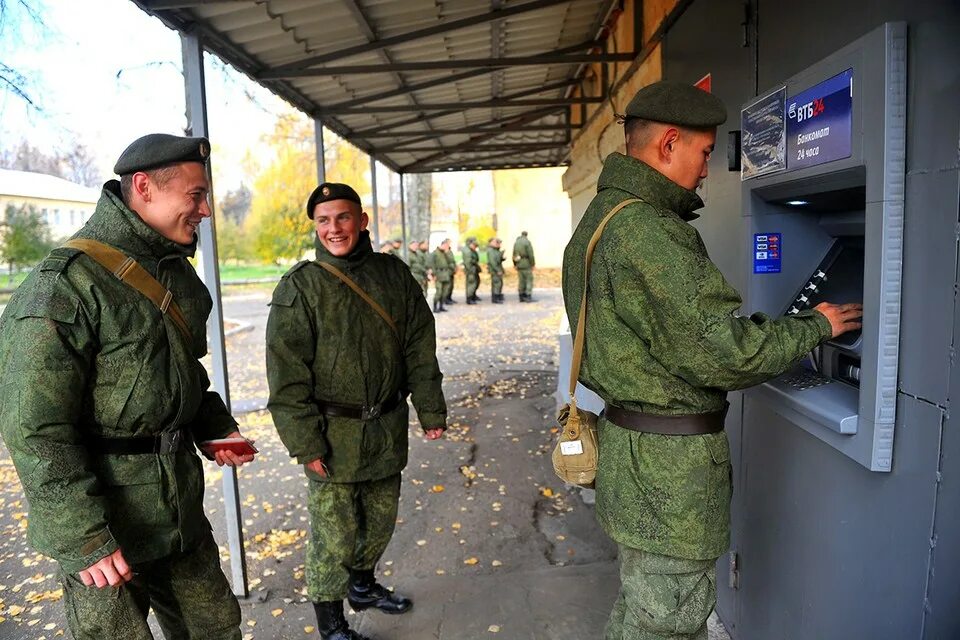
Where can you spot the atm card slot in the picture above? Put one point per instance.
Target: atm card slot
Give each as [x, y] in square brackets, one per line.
[825, 401]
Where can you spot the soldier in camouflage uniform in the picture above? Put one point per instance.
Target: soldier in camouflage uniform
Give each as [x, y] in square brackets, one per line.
[471, 270]
[495, 260]
[339, 377]
[452, 266]
[442, 275]
[524, 262]
[102, 400]
[663, 344]
[418, 264]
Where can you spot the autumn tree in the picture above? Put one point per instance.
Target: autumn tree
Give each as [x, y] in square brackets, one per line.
[233, 243]
[278, 225]
[24, 237]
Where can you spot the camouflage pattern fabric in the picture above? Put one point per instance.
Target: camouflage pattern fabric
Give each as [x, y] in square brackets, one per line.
[418, 268]
[524, 261]
[442, 275]
[495, 267]
[662, 337]
[525, 281]
[452, 262]
[82, 355]
[350, 527]
[662, 598]
[471, 271]
[326, 344]
[187, 591]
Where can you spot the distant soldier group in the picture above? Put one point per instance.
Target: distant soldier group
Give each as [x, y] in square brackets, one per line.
[441, 266]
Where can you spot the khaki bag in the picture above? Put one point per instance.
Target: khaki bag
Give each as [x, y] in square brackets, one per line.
[577, 450]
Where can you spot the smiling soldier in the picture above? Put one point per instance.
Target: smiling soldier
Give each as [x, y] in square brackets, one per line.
[103, 397]
[348, 338]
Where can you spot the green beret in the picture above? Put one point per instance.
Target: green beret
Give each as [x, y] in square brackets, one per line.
[679, 104]
[331, 191]
[159, 150]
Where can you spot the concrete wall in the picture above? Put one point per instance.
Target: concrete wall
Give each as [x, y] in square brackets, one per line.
[531, 200]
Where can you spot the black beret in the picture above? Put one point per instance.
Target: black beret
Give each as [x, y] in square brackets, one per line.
[679, 104]
[331, 191]
[159, 150]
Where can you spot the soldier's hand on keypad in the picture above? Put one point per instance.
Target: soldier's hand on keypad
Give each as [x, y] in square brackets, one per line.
[842, 317]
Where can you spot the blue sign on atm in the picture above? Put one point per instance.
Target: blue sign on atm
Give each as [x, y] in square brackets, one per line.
[767, 252]
[820, 122]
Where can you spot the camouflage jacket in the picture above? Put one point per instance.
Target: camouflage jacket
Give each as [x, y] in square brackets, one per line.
[325, 343]
[471, 260]
[663, 337]
[418, 265]
[495, 260]
[440, 265]
[523, 254]
[451, 260]
[85, 355]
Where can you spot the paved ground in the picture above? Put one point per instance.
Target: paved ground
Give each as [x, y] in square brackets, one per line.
[488, 543]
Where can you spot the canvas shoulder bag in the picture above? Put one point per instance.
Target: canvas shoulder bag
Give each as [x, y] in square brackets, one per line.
[575, 456]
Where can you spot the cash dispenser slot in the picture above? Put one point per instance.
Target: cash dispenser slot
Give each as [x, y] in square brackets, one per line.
[824, 388]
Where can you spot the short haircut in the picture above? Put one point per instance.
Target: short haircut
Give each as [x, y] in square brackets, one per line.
[159, 176]
[637, 132]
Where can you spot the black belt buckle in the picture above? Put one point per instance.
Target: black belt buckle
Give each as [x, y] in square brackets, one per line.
[371, 413]
[169, 442]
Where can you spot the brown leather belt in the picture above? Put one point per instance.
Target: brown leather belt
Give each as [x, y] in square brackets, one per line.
[358, 412]
[689, 425]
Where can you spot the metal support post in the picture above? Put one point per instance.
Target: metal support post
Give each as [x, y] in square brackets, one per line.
[321, 161]
[403, 220]
[196, 102]
[376, 208]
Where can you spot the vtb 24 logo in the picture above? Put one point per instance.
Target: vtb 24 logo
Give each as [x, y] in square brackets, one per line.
[806, 111]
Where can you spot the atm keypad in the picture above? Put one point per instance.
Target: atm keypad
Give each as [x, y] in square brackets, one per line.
[805, 379]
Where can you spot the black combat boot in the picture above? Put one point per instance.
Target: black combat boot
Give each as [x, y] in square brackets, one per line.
[471, 301]
[523, 297]
[497, 298]
[331, 623]
[366, 592]
[450, 300]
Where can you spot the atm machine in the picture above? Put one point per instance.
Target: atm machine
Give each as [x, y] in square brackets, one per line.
[823, 190]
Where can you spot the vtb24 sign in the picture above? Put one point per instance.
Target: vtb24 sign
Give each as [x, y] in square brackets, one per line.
[820, 122]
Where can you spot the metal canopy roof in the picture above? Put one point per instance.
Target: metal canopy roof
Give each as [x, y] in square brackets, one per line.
[422, 85]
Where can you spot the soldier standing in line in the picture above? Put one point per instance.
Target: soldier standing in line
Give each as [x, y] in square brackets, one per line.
[418, 264]
[387, 247]
[524, 262]
[103, 398]
[495, 260]
[442, 275]
[663, 344]
[471, 270]
[452, 265]
[339, 399]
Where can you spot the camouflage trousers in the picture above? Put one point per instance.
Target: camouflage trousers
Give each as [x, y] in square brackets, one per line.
[525, 281]
[440, 292]
[350, 527]
[448, 289]
[496, 283]
[662, 598]
[423, 282]
[472, 283]
[188, 593]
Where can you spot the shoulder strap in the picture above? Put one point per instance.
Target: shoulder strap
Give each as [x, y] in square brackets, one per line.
[363, 294]
[582, 318]
[130, 272]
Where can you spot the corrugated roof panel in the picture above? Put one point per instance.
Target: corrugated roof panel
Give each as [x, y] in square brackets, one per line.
[260, 37]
